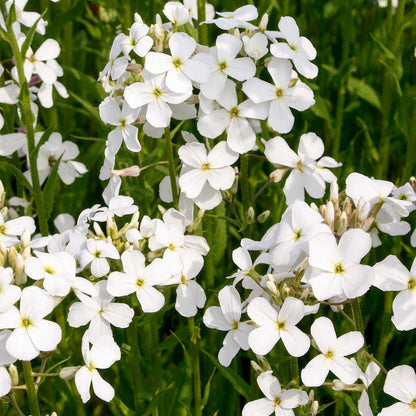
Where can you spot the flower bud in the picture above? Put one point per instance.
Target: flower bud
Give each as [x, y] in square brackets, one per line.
[263, 22]
[2, 194]
[333, 192]
[261, 218]
[20, 276]
[137, 18]
[14, 374]
[68, 373]
[277, 175]
[97, 229]
[250, 216]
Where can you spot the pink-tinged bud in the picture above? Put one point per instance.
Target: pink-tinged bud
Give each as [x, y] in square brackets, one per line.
[34, 80]
[135, 68]
[277, 175]
[130, 171]
[21, 130]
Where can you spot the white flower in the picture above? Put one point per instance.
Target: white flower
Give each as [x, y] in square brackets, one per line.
[123, 120]
[56, 269]
[339, 271]
[100, 311]
[281, 96]
[119, 205]
[204, 175]
[227, 318]
[32, 333]
[177, 13]
[304, 173]
[96, 253]
[9, 294]
[391, 274]
[256, 46]
[277, 401]
[116, 66]
[298, 48]
[5, 359]
[180, 68]
[401, 384]
[223, 62]
[9, 230]
[140, 279]
[154, 92]
[275, 324]
[103, 353]
[137, 40]
[237, 18]
[333, 351]
[189, 294]
[232, 117]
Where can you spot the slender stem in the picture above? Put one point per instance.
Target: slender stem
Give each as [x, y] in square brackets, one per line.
[172, 175]
[196, 373]
[42, 370]
[372, 358]
[28, 121]
[260, 191]
[347, 317]
[294, 370]
[31, 391]
[244, 183]
[202, 29]
[134, 358]
[14, 404]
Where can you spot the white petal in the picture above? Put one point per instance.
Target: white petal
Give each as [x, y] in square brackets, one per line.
[83, 383]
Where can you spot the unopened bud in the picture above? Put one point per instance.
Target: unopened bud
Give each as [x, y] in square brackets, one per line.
[161, 209]
[277, 175]
[264, 22]
[2, 194]
[97, 229]
[250, 215]
[333, 192]
[347, 207]
[4, 211]
[130, 171]
[261, 218]
[19, 270]
[134, 68]
[14, 374]
[271, 285]
[343, 224]
[137, 18]
[314, 206]
[314, 408]
[68, 373]
[363, 208]
[236, 33]
[330, 214]
[25, 239]
[256, 367]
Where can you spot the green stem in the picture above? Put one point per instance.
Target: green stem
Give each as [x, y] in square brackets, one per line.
[202, 29]
[294, 371]
[244, 183]
[196, 373]
[134, 358]
[28, 121]
[31, 391]
[172, 175]
[15, 406]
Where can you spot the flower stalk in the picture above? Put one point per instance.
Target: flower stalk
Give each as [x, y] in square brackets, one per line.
[31, 390]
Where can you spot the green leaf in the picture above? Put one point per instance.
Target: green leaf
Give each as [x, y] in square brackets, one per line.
[372, 148]
[387, 53]
[239, 384]
[91, 110]
[48, 192]
[17, 173]
[351, 404]
[29, 37]
[207, 389]
[157, 400]
[324, 406]
[121, 407]
[322, 108]
[44, 138]
[364, 91]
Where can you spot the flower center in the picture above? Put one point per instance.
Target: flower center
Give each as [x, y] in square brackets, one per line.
[411, 284]
[330, 354]
[139, 283]
[222, 66]
[96, 254]
[49, 269]
[234, 325]
[184, 280]
[2, 229]
[122, 123]
[339, 269]
[172, 247]
[234, 112]
[205, 167]
[413, 404]
[277, 401]
[280, 326]
[297, 234]
[177, 63]
[157, 92]
[279, 93]
[26, 322]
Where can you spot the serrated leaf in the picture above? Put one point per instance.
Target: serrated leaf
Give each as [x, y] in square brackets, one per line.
[17, 173]
[29, 36]
[239, 384]
[157, 400]
[44, 138]
[48, 192]
[364, 91]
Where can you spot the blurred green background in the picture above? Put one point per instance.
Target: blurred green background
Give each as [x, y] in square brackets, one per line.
[366, 114]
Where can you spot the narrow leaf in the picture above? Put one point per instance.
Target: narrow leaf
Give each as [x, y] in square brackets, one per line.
[49, 189]
[17, 173]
